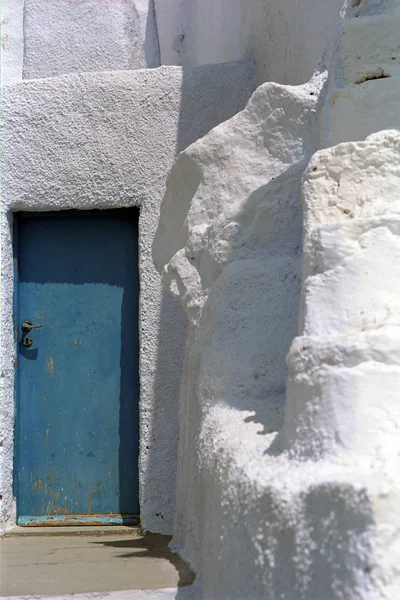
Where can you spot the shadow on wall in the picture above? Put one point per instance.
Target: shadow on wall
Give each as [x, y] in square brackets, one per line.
[152, 546]
[267, 258]
[161, 454]
[210, 94]
[251, 315]
[151, 45]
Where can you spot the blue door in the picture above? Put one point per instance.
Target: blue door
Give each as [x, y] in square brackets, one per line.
[77, 388]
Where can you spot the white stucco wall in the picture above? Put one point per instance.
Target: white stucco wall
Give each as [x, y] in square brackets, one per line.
[168, 19]
[101, 141]
[286, 39]
[45, 39]
[12, 40]
[63, 36]
[229, 247]
[288, 481]
[364, 74]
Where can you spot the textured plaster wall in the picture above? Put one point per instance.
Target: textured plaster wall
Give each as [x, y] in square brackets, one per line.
[101, 141]
[64, 36]
[281, 244]
[286, 39]
[364, 74]
[229, 247]
[42, 38]
[12, 40]
[288, 482]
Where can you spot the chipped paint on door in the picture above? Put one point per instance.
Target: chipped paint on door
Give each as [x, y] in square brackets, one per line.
[76, 432]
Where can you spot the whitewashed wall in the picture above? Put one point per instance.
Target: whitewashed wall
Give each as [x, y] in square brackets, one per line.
[104, 139]
[286, 39]
[64, 37]
[43, 38]
[12, 40]
[288, 481]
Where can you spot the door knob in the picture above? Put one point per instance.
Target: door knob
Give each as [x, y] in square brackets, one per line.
[28, 325]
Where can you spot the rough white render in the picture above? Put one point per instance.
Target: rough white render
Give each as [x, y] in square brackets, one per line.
[311, 511]
[286, 38]
[42, 38]
[64, 36]
[287, 471]
[364, 81]
[102, 141]
[229, 246]
[220, 178]
[347, 354]
[12, 40]
[288, 482]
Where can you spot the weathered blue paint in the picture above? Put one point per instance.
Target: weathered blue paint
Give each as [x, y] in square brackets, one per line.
[77, 405]
[79, 520]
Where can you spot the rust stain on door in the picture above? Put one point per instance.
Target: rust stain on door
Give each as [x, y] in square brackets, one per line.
[50, 366]
[91, 499]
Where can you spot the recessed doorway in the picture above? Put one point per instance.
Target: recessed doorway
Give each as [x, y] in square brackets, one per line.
[77, 382]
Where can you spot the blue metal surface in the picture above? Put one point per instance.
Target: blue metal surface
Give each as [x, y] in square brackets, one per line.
[77, 404]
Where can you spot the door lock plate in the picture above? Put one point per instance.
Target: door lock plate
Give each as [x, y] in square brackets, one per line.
[27, 342]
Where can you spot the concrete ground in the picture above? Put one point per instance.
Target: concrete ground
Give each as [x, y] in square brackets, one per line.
[43, 561]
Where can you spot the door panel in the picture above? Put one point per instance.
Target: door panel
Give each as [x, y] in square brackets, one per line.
[78, 389]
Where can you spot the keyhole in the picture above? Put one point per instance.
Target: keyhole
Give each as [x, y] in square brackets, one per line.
[27, 342]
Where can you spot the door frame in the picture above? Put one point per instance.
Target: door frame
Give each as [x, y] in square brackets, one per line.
[151, 298]
[55, 520]
[87, 141]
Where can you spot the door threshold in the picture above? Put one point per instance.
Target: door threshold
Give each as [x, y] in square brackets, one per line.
[84, 520]
[73, 530]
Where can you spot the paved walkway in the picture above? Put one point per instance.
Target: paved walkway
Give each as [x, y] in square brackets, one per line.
[78, 560]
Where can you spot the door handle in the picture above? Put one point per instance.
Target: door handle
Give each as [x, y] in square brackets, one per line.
[28, 325]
